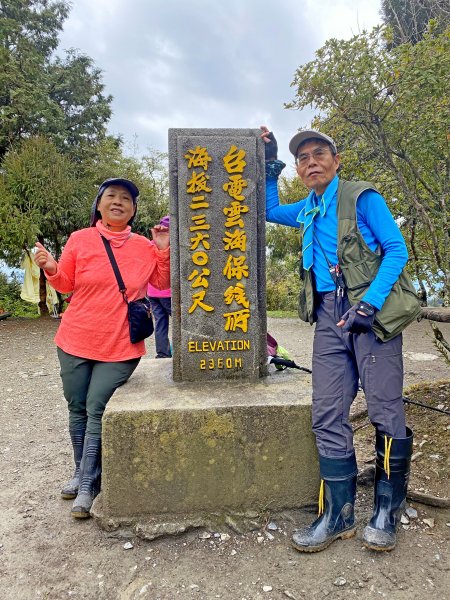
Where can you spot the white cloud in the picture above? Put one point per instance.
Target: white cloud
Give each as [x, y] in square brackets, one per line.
[205, 63]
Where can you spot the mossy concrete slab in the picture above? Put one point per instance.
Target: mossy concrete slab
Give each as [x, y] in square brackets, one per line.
[182, 454]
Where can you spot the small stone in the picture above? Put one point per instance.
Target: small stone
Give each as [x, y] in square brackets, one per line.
[194, 587]
[128, 546]
[267, 588]
[411, 513]
[205, 535]
[340, 581]
[260, 539]
[233, 552]
[224, 537]
[416, 455]
[269, 536]
[404, 520]
[441, 406]
[272, 526]
[429, 522]
[288, 594]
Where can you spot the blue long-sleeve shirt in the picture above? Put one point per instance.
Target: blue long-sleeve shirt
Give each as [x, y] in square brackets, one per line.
[375, 223]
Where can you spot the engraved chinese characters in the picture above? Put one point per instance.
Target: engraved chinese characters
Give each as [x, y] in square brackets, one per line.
[235, 238]
[199, 227]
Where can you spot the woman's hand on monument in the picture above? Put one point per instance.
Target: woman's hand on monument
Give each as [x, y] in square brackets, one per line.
[160, 235]
[271, 146]
[44, 259]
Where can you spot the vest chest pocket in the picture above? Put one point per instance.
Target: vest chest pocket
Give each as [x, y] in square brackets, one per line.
[358, 262]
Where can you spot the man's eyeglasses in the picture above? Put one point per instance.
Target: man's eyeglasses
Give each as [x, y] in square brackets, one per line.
[319, 153]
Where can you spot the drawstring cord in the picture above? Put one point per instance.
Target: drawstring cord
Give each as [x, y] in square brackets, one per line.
[387, 452]
[321, 497]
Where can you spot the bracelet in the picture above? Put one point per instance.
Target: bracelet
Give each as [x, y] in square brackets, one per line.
[366, 308]
[274, 168]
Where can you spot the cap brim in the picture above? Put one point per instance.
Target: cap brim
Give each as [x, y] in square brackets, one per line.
[309, 134]
[131, 187]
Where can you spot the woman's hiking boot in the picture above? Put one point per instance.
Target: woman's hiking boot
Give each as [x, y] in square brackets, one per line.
[90, 478]
[70, 490]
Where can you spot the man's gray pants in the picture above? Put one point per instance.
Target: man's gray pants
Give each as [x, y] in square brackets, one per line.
[340, 360]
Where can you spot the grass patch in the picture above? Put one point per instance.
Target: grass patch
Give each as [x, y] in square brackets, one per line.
[282, 314]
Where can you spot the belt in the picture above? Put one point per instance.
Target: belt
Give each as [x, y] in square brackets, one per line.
[324, 295]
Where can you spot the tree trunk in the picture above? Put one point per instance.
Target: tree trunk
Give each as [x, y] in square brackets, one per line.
[43, 308]
[436, 313]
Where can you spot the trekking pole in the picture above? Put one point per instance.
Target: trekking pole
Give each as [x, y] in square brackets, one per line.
[441, 410]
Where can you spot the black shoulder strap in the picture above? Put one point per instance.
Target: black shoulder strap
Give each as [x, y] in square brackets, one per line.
[120, 283]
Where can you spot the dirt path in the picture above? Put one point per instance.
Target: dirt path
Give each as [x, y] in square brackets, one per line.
[44, 553]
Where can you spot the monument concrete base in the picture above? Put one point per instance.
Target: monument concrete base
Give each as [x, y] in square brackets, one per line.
[182, 455]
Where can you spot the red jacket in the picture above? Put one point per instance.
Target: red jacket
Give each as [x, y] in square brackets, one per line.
[95, 324]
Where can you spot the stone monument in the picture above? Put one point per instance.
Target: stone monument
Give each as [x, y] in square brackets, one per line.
[207, 438]
[217, 254]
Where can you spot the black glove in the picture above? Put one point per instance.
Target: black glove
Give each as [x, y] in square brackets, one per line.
[271, 148]
[357, 323]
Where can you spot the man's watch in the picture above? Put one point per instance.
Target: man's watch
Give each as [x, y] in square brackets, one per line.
[365, 308]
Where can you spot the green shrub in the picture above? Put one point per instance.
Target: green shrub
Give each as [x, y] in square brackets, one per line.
[282, 286]
[10, 300]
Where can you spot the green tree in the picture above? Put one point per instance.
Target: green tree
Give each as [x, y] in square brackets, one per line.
[40, 95]
[389, 111]
[37, 202]
[283, 243]
[410, 19]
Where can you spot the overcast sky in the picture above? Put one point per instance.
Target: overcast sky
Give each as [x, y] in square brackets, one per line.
[207, 63]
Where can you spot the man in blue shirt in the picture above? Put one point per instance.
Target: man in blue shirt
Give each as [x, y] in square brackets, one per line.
[346, 348]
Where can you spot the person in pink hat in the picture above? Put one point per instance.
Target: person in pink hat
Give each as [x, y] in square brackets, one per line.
[162, 309]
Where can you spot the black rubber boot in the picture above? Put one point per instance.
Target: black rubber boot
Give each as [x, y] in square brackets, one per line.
[336, 510]
[90, 478]
[70, 490]
[391, 483]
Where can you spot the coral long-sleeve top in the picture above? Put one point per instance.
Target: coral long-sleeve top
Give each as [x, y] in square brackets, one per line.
[95, 324]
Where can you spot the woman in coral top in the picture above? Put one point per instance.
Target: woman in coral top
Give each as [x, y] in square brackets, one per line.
[93, 340]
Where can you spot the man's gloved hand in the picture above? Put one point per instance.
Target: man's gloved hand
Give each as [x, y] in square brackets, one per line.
[271, 147]
[270, 143]
[358, 319]
[273, 165]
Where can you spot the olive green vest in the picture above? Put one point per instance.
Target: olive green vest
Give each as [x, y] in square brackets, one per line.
[360, 265]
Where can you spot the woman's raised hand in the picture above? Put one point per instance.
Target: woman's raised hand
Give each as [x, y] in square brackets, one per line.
[45, 260]
[160, 236]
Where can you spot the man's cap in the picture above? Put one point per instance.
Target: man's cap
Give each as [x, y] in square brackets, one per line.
[131, 187]
[308, 134]
[165, 221]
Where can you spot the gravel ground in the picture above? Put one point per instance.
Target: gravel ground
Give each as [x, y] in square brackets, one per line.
[44, 553]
